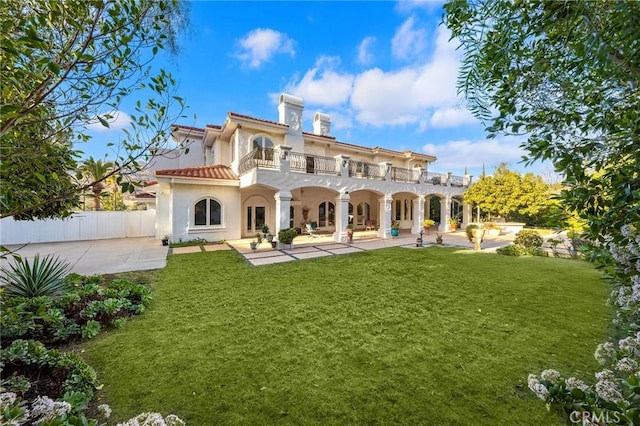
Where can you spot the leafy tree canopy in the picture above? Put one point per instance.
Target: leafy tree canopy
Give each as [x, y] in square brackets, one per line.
[509, 194]
[566, 74]
[65, 65]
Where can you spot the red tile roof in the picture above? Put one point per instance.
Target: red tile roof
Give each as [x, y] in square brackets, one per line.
[180, 126]
[213, 126]
[145, 195]
[235, 114]
[208, 172]
[319, 136]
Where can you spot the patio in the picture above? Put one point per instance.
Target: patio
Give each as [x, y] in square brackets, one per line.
[307, 247]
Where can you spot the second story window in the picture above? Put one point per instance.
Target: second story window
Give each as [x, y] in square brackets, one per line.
[262, 147]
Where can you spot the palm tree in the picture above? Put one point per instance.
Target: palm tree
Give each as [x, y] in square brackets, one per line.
[96, 172]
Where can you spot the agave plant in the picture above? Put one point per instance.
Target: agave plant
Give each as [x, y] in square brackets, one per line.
[40, 277]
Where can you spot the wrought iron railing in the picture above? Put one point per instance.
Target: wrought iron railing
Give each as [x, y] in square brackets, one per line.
[362, 169]
[314, 164]
[436, 179]
[456, 181]
[398, 174]
[259, 158]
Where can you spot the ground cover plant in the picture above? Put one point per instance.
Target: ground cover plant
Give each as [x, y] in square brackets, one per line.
[430, 336]
[42, 380]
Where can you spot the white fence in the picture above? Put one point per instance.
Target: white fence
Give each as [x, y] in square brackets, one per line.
[80, 226]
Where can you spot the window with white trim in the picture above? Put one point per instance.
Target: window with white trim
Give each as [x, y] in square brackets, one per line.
[207, 212]
[262, 148]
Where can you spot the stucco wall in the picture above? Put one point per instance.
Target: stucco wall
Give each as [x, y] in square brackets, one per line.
[176, 216]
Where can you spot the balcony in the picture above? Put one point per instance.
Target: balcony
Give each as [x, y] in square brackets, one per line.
[275, 159]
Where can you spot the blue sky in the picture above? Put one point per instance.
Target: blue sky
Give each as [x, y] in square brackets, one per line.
[385, 72]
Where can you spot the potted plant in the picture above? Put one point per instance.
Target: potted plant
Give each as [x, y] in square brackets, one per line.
[259, 237]
[439, 239]
[453, 222]
[475, 234]
[492, 229]
[395, 228]
[265, 232]
[428, 223]
[165, 240]
[253, 245]
[286, 236]
[350, 233]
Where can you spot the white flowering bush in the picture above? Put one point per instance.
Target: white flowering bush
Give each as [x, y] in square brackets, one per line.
[44, 411]
[614, 397]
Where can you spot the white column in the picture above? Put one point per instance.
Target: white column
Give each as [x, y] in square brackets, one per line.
[427, 207]
[283, 206]
[445, 214]
[418, 214]
[342, 162]
[283, 154]
[342, 217]
[466, 215]
[386, 211]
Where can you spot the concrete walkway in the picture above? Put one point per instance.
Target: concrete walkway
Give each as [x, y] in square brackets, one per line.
[102, 256]
[136, 254]
[306, 247]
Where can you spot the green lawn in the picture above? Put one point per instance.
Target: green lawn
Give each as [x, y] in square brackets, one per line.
[433, 336]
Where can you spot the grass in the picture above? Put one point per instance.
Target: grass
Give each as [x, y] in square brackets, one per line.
[432, 336]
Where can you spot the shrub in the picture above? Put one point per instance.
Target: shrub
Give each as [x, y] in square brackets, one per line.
[40, 277]
[614, 396]
[81, 313]
[469, 231]
[513, 250]
[45, 411]
[528, 239]
[47, 371]
[287, 235]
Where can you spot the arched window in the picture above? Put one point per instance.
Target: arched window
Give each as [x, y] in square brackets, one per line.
[262, 142]
[207, 212]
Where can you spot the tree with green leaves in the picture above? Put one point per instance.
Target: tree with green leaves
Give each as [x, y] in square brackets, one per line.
[66, 65]
[511, 195]
[94, 171]
[567, 75]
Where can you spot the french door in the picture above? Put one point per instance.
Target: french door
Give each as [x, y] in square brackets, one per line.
[255, 217]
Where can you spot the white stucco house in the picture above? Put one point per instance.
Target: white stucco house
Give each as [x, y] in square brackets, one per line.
[250, 171]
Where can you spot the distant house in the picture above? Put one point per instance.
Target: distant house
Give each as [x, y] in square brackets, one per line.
[249, 171]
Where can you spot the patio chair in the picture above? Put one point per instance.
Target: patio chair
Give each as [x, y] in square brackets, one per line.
[312, 229]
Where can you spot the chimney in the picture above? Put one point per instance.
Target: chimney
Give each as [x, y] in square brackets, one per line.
[321, 124]
[290, 112]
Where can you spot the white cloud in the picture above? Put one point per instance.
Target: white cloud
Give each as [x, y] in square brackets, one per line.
[340, 120]
[422, 94]
[451, 117]
[453, 155]
[381, 98]
[321, 85]
[117, 120]
[260, 45]
[365, 57]
[408, 40]
[408, 94]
